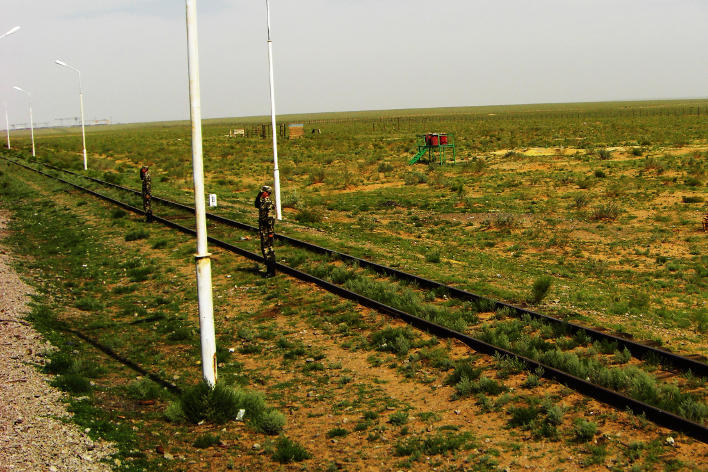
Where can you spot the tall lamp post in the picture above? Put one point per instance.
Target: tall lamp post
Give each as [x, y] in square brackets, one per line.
[276, 172]
[7, 120]
[7, 127]
[29, 96]
[202, 257]
[81, 102]
[13, 30]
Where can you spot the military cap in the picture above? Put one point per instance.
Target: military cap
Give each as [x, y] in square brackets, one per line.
[266, 188]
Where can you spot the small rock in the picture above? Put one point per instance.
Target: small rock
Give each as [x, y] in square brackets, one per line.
[457, 412]
[309, 359]
[168, 456]
[670, 441]
[256, 446]
[52, 469]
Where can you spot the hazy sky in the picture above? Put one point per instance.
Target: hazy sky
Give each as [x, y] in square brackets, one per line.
[333, 55]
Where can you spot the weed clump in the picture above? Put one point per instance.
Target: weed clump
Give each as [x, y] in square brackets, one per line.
[287, 451]
[222, 404]
[584, 430]
[395, 340]
[206, 440]
[606, 211]
[271, 422]
[136, 235]
[540, 288]
[309, 216]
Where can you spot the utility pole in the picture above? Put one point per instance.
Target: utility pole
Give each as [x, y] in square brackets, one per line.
[202, 257]
[276, 172]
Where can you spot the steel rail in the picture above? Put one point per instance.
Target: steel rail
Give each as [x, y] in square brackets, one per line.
[638, 350]
[660, 417]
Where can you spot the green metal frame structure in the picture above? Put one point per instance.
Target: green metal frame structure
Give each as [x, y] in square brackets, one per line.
[425, 146]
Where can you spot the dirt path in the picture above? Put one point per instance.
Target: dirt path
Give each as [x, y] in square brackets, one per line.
[34, 432]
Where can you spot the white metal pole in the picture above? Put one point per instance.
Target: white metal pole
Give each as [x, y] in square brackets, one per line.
[276, 171]
[202, 257]
[81, 104]
[83, 130]
[32, 127]
[7, 127]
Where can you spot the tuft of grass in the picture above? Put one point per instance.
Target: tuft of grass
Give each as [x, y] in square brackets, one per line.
[540, 288]
[584, 430]
[605, 211]
[432, 256]
[206, 440]
[144, 389]
[72, 383]
[287, 451]
[271, 422]
[337, 433]
[136, 235]
[89, 304]
[309, 216]
[221, 404]
[399, 418]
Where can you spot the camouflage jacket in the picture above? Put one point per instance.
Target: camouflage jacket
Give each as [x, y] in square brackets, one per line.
[266, 210]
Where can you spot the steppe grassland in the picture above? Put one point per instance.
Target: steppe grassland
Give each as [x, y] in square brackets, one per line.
[605, 198]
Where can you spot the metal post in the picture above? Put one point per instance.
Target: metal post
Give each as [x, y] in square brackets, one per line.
[81, 103]
[29, 96]
[276, 172]
[202, 257]
[32, 128]
[83, 131]
[7, 127]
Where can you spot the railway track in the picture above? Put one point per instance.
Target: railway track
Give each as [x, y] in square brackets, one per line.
[584, 386]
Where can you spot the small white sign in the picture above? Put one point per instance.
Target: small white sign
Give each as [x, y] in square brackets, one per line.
[212, 200]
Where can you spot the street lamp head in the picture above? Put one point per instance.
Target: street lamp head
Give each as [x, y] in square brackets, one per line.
[20, 89]
[13, 30]
[61, 63]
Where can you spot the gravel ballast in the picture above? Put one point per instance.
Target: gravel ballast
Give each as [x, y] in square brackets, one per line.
[35, 429]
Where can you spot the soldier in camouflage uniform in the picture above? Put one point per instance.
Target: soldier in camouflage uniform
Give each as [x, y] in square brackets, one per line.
[147, 192]
[266, 227]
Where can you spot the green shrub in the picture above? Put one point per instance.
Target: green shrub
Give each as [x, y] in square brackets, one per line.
[399, 418]
[118, 213]
[220, 404]
[337, 433]
[309, 216]
[604, 154]
[72, 383]
[463, 370]
[287, 451]
[691, 199]
[413, 178]
[271, 422]
[523, 416]
[432, 256]
[605, 211]
[540, 288]
[206, 440]
[584, 430]
[89, 304]
[60, 363]
[136, 235]
[144, 389]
